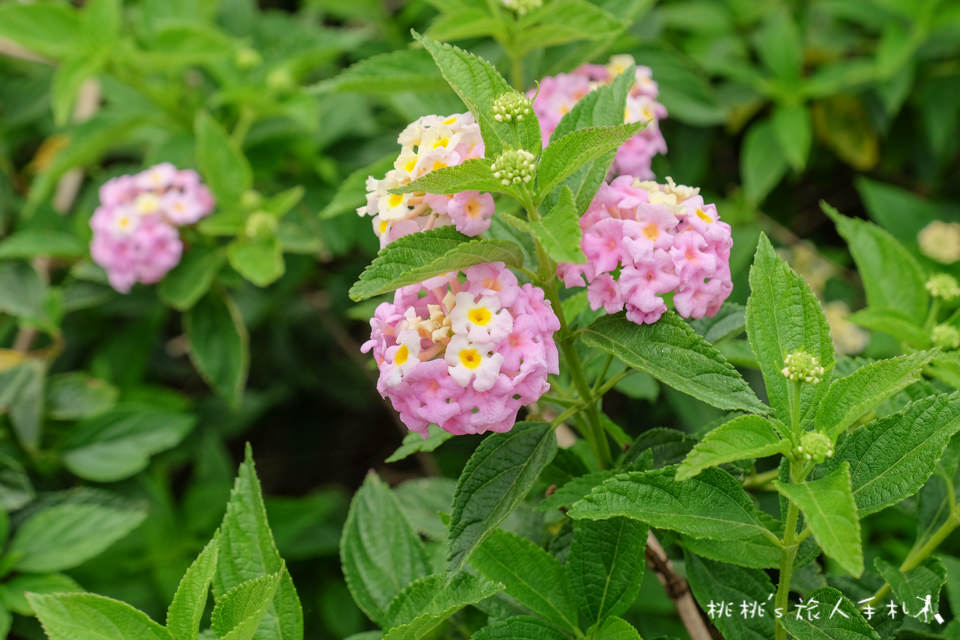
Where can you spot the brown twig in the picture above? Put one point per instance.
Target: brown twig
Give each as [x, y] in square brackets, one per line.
[677, 589]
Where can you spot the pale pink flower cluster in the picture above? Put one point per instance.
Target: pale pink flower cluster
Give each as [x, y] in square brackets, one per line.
[643, 240]
[464, 350]
[135, 237]
[428, 144]
[558, 94]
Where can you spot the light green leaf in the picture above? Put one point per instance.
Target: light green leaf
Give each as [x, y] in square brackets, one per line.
[86, 616]
[65, 535]
[219, 345]
[926, 579]
[425, 502]
[892, 277]
[478, 84]
[118, 443]
[891, 458]
[413, 443]
[401, 70]
[562, 21]
[190, 600]
[568, 154]
[531, 576]
[247, 551]
[22, 395]
[673, 353]
[46, 28]
[849, 626]
[222, 165]
[559, 230]
[419, 256]
[464, 22]
[75, 395]
[762, 161]
[191, 279]
[574, 490]
[792, 125]
[851, 397]
[617, 629]
[30, 243]
[831, 513]
[892, 322]
[434, 597]
[259, 260]
[519, 628]
[351, 194]
[729, 322]
[779, 46]
[742, 438]
[238, 612]
[472, 175]
[758, 552]
[716, 582]
[15, 489]
[22, 292]
[496, 478]
[67, 80]
[605, 566]
[13, 592]
[784, 316]
[711, 505]
[101, 22]
[380, 553]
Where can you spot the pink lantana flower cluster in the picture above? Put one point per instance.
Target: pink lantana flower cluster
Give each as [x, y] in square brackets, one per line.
[428, 144]
[135, 236]
[643, 240]
[558, 94]
[464, 350]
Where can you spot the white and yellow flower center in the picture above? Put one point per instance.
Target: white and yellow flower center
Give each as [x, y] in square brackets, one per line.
[479, 316]
[470, 358]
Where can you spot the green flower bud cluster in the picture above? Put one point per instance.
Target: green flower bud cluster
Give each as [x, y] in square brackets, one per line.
[511, 106]
[260, 225]
[815, 446]
[803, 366]
[522, 7]
[945, 337]
[514, 166]
[943, 286]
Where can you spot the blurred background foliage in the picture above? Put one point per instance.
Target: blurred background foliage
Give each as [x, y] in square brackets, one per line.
[108, 407]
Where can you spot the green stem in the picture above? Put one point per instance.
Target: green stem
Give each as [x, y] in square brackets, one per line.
[516, 72]
[787, 557]
[595, 434]
[603, 374]
[761, 480]
[919, 554]
[794, 387]
[244, 122]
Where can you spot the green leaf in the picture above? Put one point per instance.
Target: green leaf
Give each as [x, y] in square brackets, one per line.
[472, 175]
[101, 22]
[67, 80]
[496, 478]
[478, 84]
[711, 505]
[75, 395]
[426, 502]
[559, 230]
[190, 600]
[891, 458]
[13, 592]
[783, 316]
[893, 322]
[574, 490]
[15, 488]
[191, 279]
[22, 292]
[673, 353]
[419, 256]
[222, 165]
[464, 22]
[86, 616]
[562, 21]
[926, 579]
[617, 629]
[568, 154]
[758, 552]
[433, 597]
[853, 396]
[729, 322]
[762, 161]
[742, 438]
[351, 194]
[892, 277]
[380, 553]
[831, 513]
[247, 551]
[792, 125]
[779, 46]
[45, 28]
[414, 443]
[605, 566]
[401, 70]
[219, 345]
[259, 260]
[519, 628]
[847, 624]
[716, 582]
[22, 394]
[531, 576]
[238, 612]
[30, 243]
[65, 535]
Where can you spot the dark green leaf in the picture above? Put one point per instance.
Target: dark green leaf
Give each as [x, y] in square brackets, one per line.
[742, 438]
[219, 346]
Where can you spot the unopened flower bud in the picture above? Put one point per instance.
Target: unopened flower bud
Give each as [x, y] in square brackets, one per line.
[521, 7]
[511, 106]
[251, 199]
[815, 446]
[943, 286]
[260, 225]
[941, 241]
[247, 58]
[945, 337]
[802, 366]
[280, 80]
[514, 166]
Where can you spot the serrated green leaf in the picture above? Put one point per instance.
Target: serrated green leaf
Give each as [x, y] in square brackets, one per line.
[223, 166]
[617, 629]
[247, 551]
[478, 84]
[519, 628]
[574, 490]
[711, 505]
[496, 478]
[191, 279]
[758, 552]
[847, 624]
[729, 322]
[219, 345]
[566, 155]
[351, 194]
[563, 21]
[673, 353]
[13, 592]
[716, 582]
[433, 596]
[459, 22]
[852, 396]
[892, 277]
[531, 576]
[86, 616]
[831, 513]
[792, 125]
[401, 70]
[605, 566]
[380, 553]
[926, 579]
[742, 438]
[471, 175]
[602, 107]
[190, 599]
[783, 316]
[419, 256]
[238, 612]
[414, 443]
[891, 458]
[559, 230]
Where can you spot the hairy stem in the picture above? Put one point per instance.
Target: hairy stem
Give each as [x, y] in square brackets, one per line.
[788, 554]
